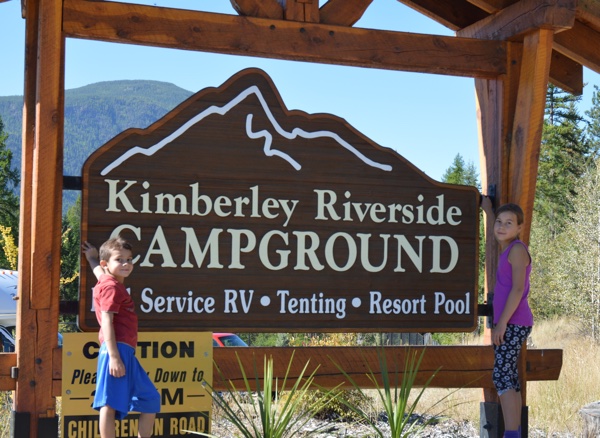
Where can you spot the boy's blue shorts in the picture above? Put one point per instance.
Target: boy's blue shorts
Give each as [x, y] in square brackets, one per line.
[132, 392]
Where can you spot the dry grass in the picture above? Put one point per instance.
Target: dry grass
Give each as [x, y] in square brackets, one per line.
[5, 409]
[553, 406]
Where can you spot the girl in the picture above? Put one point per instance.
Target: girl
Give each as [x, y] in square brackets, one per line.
[513, 319]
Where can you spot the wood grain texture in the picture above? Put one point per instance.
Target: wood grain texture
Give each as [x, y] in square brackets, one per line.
[455, 367]
[311, 42]
[41, 212]
[259, 8]
[343, 12]
[454, 14]
[523, 17]
[528, 123]
[566, 73]
[580, 44]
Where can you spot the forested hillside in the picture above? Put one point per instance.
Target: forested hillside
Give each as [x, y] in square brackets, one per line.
[96, 113]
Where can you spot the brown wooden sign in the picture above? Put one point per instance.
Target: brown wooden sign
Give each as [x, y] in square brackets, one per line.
[247, 216]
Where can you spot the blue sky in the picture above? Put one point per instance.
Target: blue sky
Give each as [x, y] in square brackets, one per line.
[428, 119]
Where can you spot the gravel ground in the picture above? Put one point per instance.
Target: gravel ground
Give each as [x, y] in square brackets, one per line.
[443, 428]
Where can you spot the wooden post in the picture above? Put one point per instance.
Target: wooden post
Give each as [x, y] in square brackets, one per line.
[528, 123]
[34, 406]
[496, 99]
[509, 146]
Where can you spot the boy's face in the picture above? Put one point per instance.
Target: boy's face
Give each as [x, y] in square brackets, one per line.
[119, 265]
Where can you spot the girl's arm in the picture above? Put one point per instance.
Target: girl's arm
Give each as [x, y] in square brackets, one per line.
[487, 206]
[115, 364]
[519, 260]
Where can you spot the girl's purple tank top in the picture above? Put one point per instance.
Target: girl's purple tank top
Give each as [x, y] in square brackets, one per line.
[522, 315]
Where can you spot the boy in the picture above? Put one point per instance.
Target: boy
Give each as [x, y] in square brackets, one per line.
[122, 384]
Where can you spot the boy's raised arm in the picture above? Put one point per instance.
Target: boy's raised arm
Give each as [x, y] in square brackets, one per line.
[91, 254]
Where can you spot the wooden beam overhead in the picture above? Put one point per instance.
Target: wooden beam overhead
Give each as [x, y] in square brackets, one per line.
[581, 44]
[311, 42]
[523, 17]
[588, 11]
[258, 8]
[526, 16]
[566, 73]
[454, 14]
[343, 12]
[492, 6]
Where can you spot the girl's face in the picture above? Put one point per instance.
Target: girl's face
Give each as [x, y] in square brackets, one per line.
[506, 228]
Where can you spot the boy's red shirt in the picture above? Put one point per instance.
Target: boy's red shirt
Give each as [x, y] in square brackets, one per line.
[111, 296]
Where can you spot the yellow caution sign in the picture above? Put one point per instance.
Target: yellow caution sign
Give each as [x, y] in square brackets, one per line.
[179, 364]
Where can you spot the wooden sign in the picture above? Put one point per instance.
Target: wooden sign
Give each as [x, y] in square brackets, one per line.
[247, 216]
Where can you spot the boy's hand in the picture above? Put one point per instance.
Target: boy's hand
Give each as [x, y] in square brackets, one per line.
[116, 367]
[90, 251]
[93, 258]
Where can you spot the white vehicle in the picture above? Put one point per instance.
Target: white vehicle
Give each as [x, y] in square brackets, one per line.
[8, 297]
[8, 308]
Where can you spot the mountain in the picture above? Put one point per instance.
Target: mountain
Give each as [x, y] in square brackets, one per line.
[94, 114]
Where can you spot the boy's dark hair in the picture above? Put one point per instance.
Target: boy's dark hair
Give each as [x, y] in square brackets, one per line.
[112, 245]
[512, 208]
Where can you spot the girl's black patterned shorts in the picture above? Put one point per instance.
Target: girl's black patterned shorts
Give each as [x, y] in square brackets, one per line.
[506, 358]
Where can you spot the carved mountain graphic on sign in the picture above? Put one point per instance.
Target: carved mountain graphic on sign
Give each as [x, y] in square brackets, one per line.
[239, 207]
[269, 135]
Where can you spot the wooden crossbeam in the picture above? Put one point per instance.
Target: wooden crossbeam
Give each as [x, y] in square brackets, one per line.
[588, 11]
[312, 42]
[491, 6]
[448, 13]
[528, 15]
[459, 366]
[581, 44]
[455, 367]
[454, 14]
[566, 73]
[525, 16]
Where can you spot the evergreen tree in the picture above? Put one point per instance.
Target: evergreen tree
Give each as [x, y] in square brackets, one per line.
[583, 237]
[70, 252]
[465, 174]
[9, 201]
[461, 173]
[593, 126]
[566, 276]
[565, 154]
